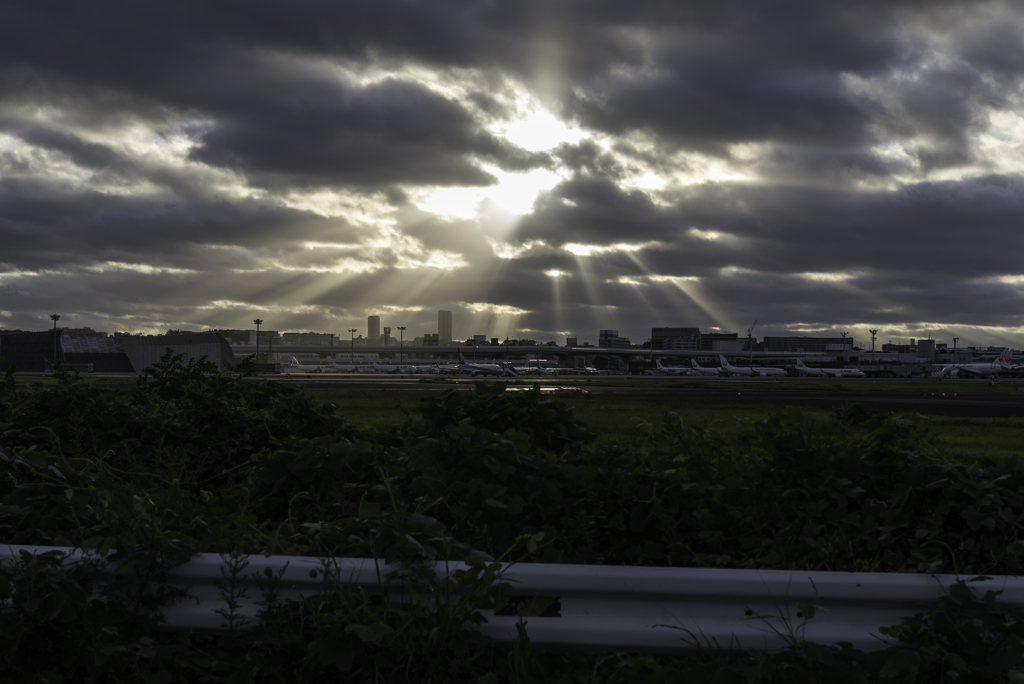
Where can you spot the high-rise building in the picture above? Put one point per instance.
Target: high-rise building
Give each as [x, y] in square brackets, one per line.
[373, 329]
[444, 326]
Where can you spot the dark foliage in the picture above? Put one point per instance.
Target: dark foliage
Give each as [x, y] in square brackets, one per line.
[192, 460]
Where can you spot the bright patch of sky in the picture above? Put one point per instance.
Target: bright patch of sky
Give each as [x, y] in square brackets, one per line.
[505, 250]
[537, 129]
[514, 193]
[592, 250]
[496, 309]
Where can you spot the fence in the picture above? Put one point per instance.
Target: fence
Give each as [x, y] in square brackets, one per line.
[636, 609]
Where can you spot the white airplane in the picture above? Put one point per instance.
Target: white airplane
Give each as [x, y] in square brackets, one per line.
[768, 371]
[340, 367]
[476, 369]
[670, 370]
[701, 370]
[806, 370]
[446, 369]
[730, 369]
[1002, 364]
[409, 368]
[829, 372]
[303, 368]
[535, 369]
[371, 366]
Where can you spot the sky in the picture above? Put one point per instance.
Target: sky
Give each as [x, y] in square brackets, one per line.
[540, 168]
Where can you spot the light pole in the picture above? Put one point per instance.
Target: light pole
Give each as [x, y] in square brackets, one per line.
[332, 345]
[55, 318]
[258, 322]
[352, 354]
[401, 340]
[873, 333]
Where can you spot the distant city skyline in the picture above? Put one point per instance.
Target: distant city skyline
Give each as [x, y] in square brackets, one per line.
[537, 168]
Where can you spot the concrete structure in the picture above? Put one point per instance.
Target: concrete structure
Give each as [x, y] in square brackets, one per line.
[306, 338]
[143, 352]
[266, 336]
[444, 326]
[33, 352]
[675, 338]
[373, 329]
[806, 344]
[609, 339]
[721, 342]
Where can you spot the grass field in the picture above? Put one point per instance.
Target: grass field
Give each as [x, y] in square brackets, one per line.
[613, 418]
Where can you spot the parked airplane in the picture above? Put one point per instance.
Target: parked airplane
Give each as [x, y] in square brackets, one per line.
[535, 369]
[829, 372]
[806, 370]
[667, 370]
[476, 369]
[730, 369]
[769, 371]
[304, 368]
[1002, 364]
[700, 370]
[446, 369]
[340, 367]
[370, 365]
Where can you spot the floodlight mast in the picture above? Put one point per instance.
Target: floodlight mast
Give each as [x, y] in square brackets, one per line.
[258, 322]
[55, 318]
[401, 340]
[750, 342]
[873, 333]
[352, 354]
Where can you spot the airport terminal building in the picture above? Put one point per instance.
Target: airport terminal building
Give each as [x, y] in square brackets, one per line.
[35, 351]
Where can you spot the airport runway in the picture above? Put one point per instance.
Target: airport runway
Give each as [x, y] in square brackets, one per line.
[966, 398]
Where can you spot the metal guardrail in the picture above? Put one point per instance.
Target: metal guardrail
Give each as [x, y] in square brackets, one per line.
[617, 608]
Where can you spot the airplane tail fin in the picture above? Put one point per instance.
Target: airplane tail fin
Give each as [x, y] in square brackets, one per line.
[693, 363]
[294, 362]
[658, 364]
[800, 363]
[1005, 356]
[462, 359]
[721, 358]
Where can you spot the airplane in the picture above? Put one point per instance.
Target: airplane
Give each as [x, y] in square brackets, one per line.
[408, 368]
[806, 370]
[730, 369]
[476, 369]
[700, 370]
[829, 372]
[670, 370]
[1002, 364]
[535, 369]
[340, 368]
[371, 366]
[769, 371]
[448, 368]
[304, 368]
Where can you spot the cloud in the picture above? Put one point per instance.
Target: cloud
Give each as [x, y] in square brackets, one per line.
[538, 166]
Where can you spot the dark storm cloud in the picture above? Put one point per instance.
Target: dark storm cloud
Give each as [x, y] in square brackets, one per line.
[786, 230]
[320, 133]
[43, 227]
[850, 106]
